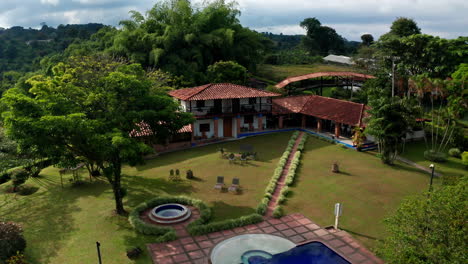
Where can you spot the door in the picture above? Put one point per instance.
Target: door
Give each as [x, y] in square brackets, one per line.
[227, 127]
[218, 106]
[236, 105]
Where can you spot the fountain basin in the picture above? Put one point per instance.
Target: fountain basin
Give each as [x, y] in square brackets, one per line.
[170, 213]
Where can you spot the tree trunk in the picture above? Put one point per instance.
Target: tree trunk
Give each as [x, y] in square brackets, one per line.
[116, 186]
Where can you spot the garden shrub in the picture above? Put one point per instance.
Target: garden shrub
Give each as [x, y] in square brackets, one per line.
[464, 157]
[11, 240]
[18, 177]
[197, 229]
[17, 259]
[5, 176]
[454, 152]
[278, 212]
[435, 156]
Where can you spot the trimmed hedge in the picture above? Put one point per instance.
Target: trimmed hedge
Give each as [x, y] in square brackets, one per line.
[165, 233]
[435, 156]
[200, 229]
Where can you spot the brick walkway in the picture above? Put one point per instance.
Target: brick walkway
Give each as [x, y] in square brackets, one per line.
[280, 183]
[295, 227]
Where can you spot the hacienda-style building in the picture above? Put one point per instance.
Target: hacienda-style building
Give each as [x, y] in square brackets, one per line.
[223, 111]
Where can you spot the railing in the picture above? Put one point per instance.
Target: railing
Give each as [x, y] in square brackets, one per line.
[243, 108]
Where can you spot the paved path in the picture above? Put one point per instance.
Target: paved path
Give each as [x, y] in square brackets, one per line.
[411, 163]
[280, 184]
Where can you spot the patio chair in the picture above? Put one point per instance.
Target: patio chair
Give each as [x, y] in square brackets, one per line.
[220, 183]
[243, 157]
[232, 158]
[234, 186]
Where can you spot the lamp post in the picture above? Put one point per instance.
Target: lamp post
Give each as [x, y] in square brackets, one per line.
[98, 245]
[432, 176]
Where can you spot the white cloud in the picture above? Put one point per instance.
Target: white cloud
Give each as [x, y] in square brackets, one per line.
[350, 18]
[51, 2]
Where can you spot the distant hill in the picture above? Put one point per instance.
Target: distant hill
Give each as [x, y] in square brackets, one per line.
[22, 48]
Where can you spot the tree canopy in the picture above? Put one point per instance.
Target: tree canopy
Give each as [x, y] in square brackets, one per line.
[184, 40]
[85, 112]
[320, 39]
[429, 230]
[227, 72]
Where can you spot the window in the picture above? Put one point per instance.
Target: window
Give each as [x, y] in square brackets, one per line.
[204, 127]
[200, 103]
[248, 119]
[252, 100]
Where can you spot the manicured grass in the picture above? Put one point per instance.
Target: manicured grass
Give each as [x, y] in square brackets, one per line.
[279, 72]
[368, 189]
[453, 167]
[62, 225]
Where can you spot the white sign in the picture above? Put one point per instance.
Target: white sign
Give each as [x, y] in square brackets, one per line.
[338, 209]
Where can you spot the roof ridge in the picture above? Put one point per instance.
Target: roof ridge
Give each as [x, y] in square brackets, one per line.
[201, 90]
[341, 100]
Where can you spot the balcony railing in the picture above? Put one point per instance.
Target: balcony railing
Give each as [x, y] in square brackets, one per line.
[243, 108]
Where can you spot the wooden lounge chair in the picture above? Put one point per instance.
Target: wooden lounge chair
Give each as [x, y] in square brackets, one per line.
[243, 157]
[232, 157]
[234, 186]
[220, 183]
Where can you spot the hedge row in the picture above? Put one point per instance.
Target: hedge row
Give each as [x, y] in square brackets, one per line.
[263, 205]
[36, 166]
[200, 229]
[278, 212]
[166, 233]
[329, 140]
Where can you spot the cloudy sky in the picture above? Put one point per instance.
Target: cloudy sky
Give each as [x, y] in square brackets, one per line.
[351, 18]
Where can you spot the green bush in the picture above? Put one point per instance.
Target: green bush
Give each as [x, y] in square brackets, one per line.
[454, 152]
[435, 156]
[464, 157]
[11, 240]
[17, 259]
[278, 212]
[196, 229]
[19, 177]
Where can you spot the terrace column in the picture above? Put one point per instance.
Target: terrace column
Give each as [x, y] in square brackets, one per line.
[238, 124]
[215, 127]
[260, 122]
[280, 121]
[303, 124]
[319, 125]
[192, 127]
[337, 130]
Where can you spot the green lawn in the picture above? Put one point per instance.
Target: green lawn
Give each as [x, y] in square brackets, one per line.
[62, 225]
[279, 72]
[368, 189]
[453, 167]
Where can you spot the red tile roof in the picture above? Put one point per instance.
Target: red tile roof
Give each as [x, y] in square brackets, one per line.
[145, 130]
[322, 107]
[219, 91]
[357, 76]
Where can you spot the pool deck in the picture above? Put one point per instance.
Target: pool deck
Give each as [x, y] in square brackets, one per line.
[295, 227]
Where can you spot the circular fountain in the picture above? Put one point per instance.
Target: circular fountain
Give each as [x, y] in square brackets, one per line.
[170, 213]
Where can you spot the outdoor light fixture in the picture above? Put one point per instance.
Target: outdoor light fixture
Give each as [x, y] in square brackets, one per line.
[432, 176]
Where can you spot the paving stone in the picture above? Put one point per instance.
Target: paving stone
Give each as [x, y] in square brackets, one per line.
[304, 221]
[191, 247]
[239, 230]
[288, 232]
[300, 229]
[215, 235]
[309, 235]
[320, 232]
[281, 227]
[164, 260]
[207, 251]
[201, 238]
[203, 260]
[196, 254]
[250, 227]
[263, 224]
[293, 224]
[286, 218]
[174, 243]
[205, 244]
[187, 240]
[357, 257]
[180, 258]
[354, 245]
[274, 221]
[328, 237]
[346, 250]
[269, 230]
[297, 239]
[313, 227]
[336, 243]
[228, 232]
[297, 216]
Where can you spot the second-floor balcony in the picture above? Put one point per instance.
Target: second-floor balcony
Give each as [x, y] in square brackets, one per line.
[233, 109]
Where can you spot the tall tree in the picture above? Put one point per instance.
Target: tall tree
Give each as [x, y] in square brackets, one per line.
[321, 39]
[85, 112]
[367, 39]
[227, 72]
[183, 40]
[404, 27]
